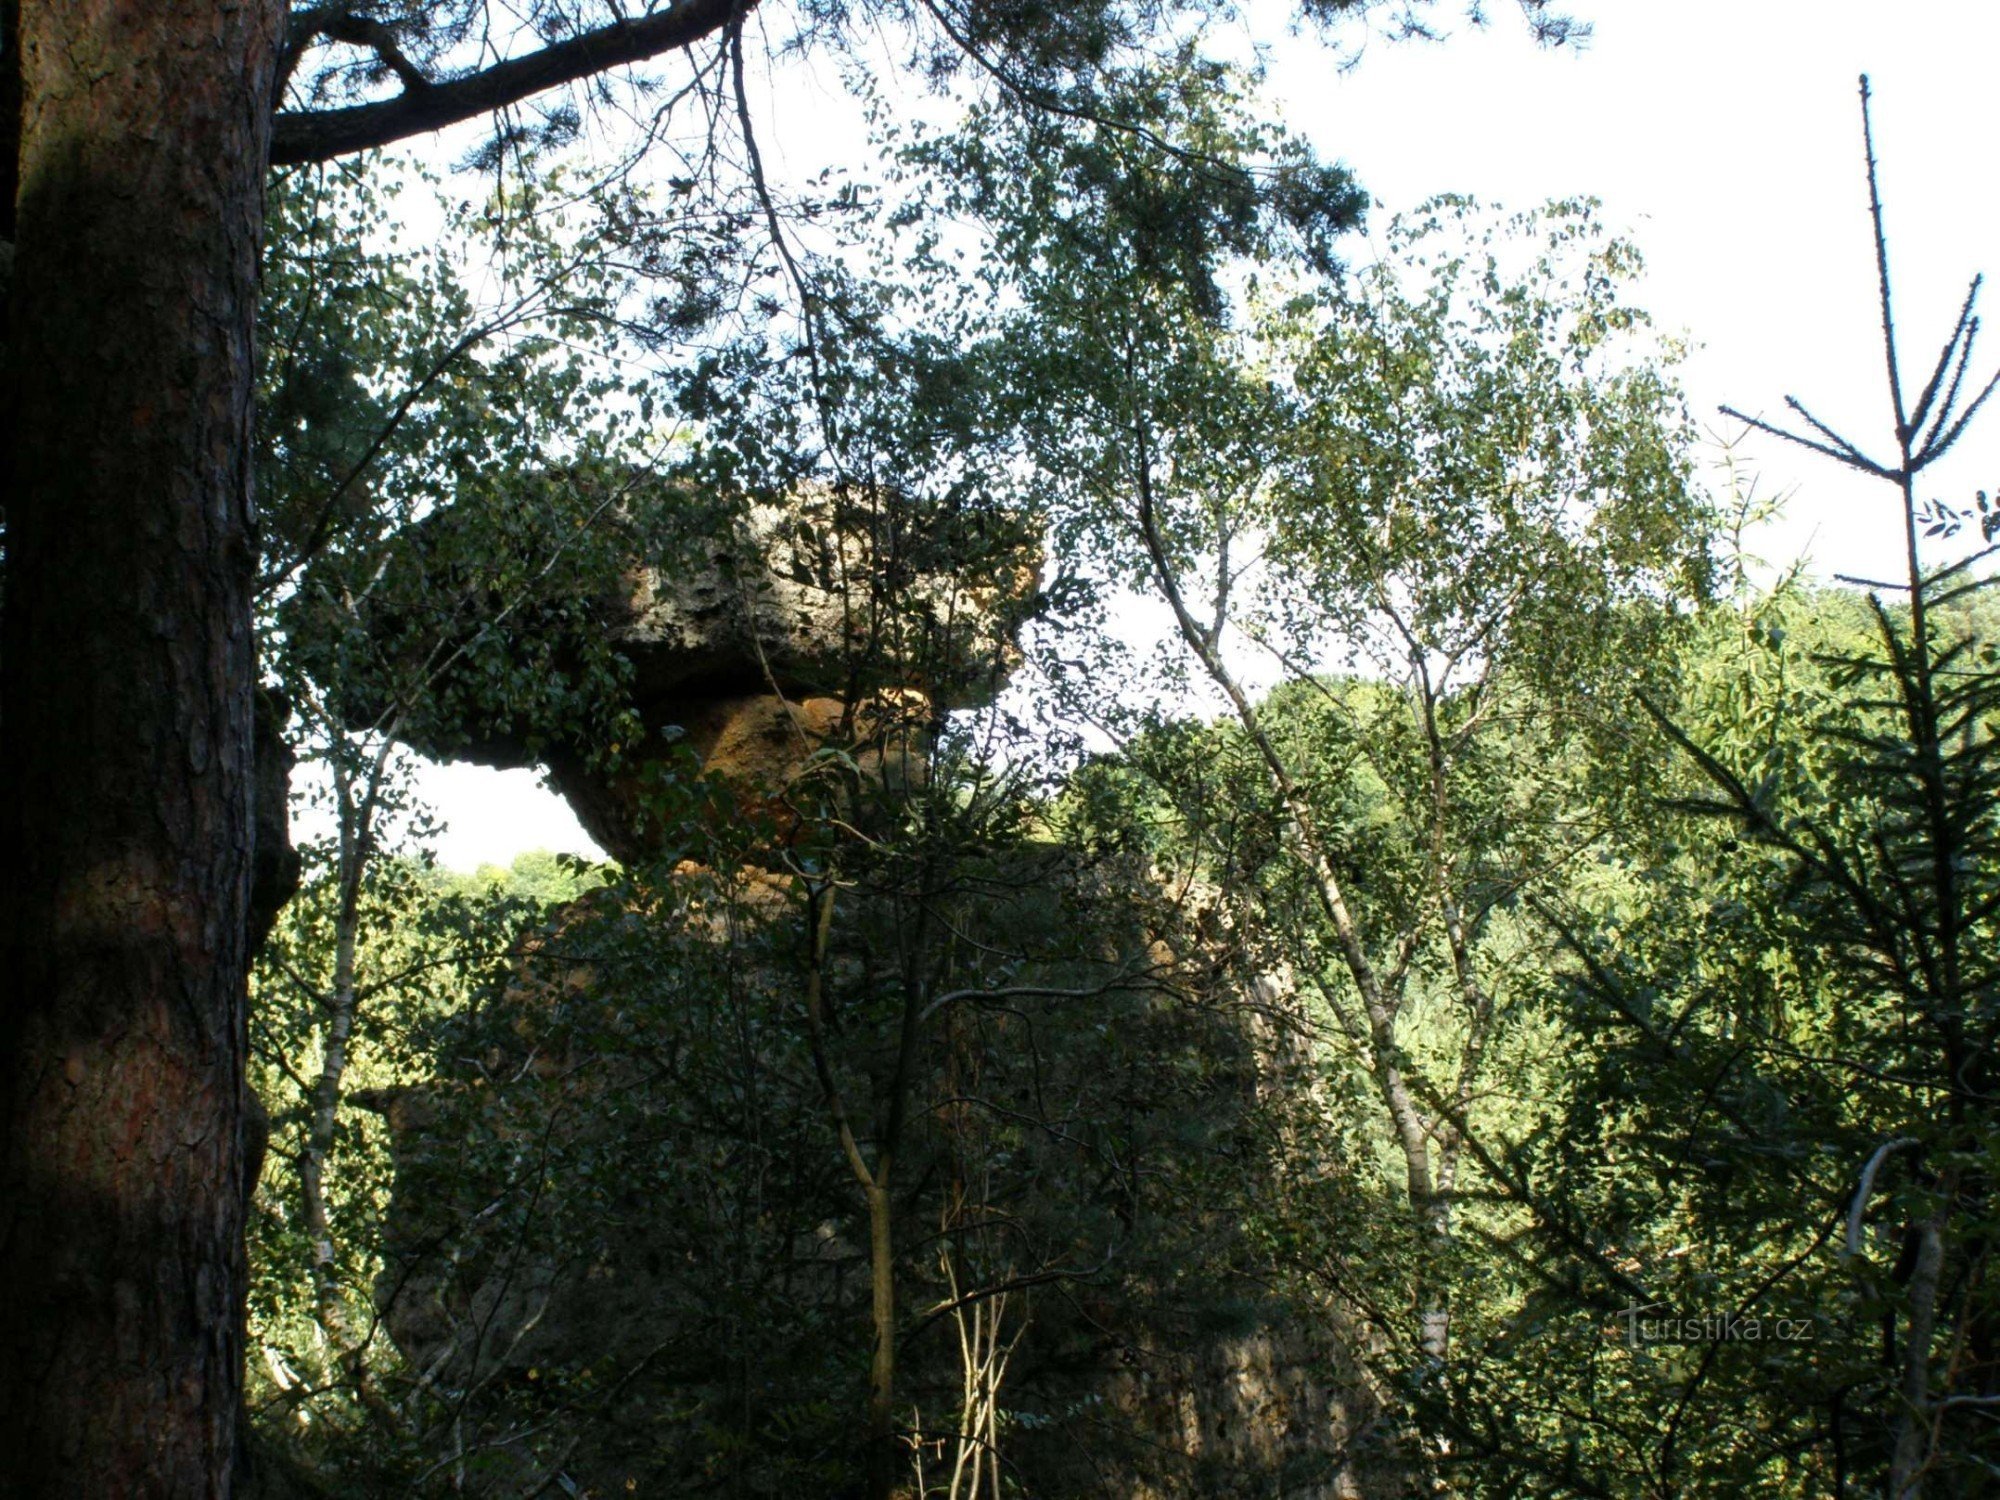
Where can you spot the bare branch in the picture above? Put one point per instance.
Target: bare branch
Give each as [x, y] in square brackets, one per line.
[1839, 455]
[1825, 431]
[1960, 330]
[1941, 444]
[1903, 432]
[1859, 1208]
[357, 31]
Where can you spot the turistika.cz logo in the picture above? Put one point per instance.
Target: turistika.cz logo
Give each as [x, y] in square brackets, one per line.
[1656, 1323]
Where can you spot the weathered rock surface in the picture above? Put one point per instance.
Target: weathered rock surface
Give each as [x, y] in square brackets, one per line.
[780, 630]
[813, 596]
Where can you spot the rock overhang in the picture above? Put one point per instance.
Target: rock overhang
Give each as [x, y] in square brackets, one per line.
[755, 631]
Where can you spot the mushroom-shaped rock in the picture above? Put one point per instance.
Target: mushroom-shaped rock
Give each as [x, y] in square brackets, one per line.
[754, 632]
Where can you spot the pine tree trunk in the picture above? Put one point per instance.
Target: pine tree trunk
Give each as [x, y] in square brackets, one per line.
[125, 764]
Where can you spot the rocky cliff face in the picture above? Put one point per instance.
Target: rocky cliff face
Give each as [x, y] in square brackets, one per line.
[631, 1204]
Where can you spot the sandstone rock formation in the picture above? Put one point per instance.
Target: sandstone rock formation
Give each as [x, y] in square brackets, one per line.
[767, 633]
[632, 1192]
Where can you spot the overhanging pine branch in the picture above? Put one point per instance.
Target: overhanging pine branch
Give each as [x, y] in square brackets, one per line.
[318, 135]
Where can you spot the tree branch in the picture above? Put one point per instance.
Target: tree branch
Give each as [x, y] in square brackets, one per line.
[317, 135]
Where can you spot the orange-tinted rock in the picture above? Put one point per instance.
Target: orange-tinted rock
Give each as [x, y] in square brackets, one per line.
[786, 630]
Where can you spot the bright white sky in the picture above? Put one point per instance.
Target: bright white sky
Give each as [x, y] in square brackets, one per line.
[1722, 135]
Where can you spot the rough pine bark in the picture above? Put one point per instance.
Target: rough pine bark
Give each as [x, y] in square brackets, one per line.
[125, 757]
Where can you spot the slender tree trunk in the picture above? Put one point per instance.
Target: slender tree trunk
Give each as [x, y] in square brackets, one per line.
[1915, 1430]
[883, 1465]
[320, 1136]
[879, 1457]
[125, 770]
[357, 849]
[1380, 1006]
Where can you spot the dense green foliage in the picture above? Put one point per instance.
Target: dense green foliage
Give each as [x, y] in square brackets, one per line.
[1521, 998]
